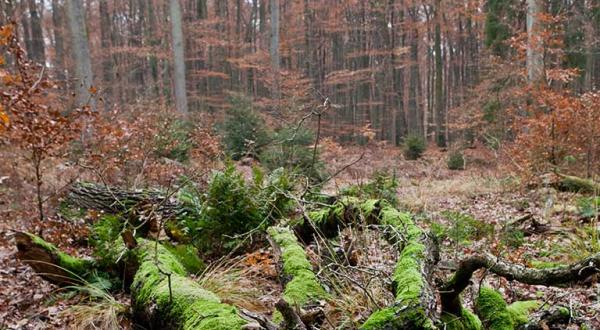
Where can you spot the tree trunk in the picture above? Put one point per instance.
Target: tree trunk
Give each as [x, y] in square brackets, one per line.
[439, 72]
[275, 60]
[178, 57]
[58, 31]
[107, 64]
[81, 53]
[37, 36]
[535, 43]
[162, 296]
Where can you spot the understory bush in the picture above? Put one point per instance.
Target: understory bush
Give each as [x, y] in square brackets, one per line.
[273, 193]
[463, 228]
[292, 148]
[228, 208]
[174, 140]
[105, 231]
[414, 146]
[243, 131]
[381, 186]
[456, 161]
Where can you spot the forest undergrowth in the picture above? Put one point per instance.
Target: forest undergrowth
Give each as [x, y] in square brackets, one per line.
[481, 209]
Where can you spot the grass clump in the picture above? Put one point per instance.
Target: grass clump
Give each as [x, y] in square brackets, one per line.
[414, 146]
[99, 310]
[464, 228]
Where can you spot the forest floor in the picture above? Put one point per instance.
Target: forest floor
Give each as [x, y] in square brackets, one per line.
[484, 191]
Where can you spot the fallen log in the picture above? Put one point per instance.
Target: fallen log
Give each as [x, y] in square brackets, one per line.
[557, 276]
[163, 297]
[119, 201]
[50, 263]
[577, 184]
[302, 291]
[415, 303]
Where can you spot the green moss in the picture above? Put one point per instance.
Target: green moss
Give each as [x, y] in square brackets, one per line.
[545, 264]
[407, 312]
[161, 285]
[369, 207]
[188, 256]
[319, 216]
[520, 310]
[76, 266]
[492, 310]
[386, 317]
[467, 321]
[304, 286]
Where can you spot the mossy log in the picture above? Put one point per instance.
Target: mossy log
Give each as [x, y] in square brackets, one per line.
[557, 276]
[302, 290]
[415, 303]
[163, 297]
[577, 184]
[50, 263]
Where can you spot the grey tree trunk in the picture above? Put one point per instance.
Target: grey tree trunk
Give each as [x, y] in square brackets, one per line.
[58, 31]
[178, 57]
[107, 64]
[439, 87]
[535, 47]
[275, 60]
[81, 53]
[37, 36]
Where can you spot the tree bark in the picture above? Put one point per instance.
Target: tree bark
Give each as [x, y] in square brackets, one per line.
[81, 53]
[535, 43]
[275, 59]
[37, 36]
[58, 31]
[178, 57]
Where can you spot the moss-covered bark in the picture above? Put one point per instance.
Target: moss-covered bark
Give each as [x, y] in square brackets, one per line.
[50, 263]
[415, 299]
[165, 298]
[301, 286]
[495, 314]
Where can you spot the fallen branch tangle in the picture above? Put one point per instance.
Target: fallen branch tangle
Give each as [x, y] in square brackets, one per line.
[162, 292]
[557, 276]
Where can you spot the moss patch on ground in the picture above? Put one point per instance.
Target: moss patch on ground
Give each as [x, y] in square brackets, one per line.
[467, 321]
[520, 310]
[492, 310]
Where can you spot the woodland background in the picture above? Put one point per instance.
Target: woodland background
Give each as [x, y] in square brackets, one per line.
[467, 113]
